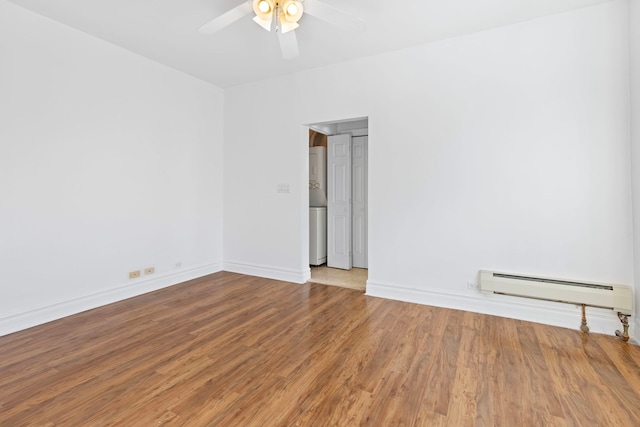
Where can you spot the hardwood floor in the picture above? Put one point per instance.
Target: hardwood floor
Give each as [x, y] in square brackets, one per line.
[233, 350]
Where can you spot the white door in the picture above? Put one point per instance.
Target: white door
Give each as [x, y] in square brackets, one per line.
[339, 203]
[359, 196]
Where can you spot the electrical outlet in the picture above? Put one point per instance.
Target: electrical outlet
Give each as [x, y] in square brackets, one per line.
[177, 264]
[472, 286]
[134, 274]
[149, 270]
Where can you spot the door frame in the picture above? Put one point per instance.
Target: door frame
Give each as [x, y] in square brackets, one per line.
[329, 127]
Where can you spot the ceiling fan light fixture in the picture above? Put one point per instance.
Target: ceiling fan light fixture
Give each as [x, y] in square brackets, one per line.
[291, 11]
[264, 8]
[264, 13]
[264, 23]
[285, 27]
[282, 16]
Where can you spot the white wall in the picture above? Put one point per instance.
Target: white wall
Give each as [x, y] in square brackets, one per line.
[506, 149]
[109, 163]
[263, 228]
[634, 37]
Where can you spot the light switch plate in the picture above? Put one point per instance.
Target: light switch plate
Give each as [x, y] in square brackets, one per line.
[283, 188]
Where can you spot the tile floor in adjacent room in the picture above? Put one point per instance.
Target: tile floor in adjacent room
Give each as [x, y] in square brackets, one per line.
[356, 278]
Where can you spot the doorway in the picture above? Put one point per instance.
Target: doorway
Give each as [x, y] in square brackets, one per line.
[338, 189]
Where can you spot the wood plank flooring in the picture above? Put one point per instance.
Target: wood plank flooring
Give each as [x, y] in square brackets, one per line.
[233, 350]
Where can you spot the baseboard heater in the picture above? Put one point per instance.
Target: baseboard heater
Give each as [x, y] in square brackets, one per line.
[618, 298]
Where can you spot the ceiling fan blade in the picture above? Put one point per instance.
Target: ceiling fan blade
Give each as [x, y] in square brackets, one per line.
[289, 45]
[227, 18]
[334, 16]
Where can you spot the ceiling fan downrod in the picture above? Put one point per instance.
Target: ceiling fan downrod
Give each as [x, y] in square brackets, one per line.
[277, 18]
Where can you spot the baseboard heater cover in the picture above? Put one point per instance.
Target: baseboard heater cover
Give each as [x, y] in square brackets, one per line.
[615, 297]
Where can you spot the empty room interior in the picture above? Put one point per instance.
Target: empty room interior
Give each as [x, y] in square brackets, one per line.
[164, 229]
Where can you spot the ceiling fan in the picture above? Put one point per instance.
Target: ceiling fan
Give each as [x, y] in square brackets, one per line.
[282, 16]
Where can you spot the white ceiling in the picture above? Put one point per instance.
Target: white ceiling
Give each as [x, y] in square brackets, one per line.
[166, 30]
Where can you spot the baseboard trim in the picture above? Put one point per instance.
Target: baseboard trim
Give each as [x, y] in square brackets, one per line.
[39, 315]
[286, 275]
[546, 312]
[634, 331]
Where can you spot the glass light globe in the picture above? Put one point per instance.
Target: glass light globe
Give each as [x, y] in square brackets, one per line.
[263, 6]
[292, 9]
